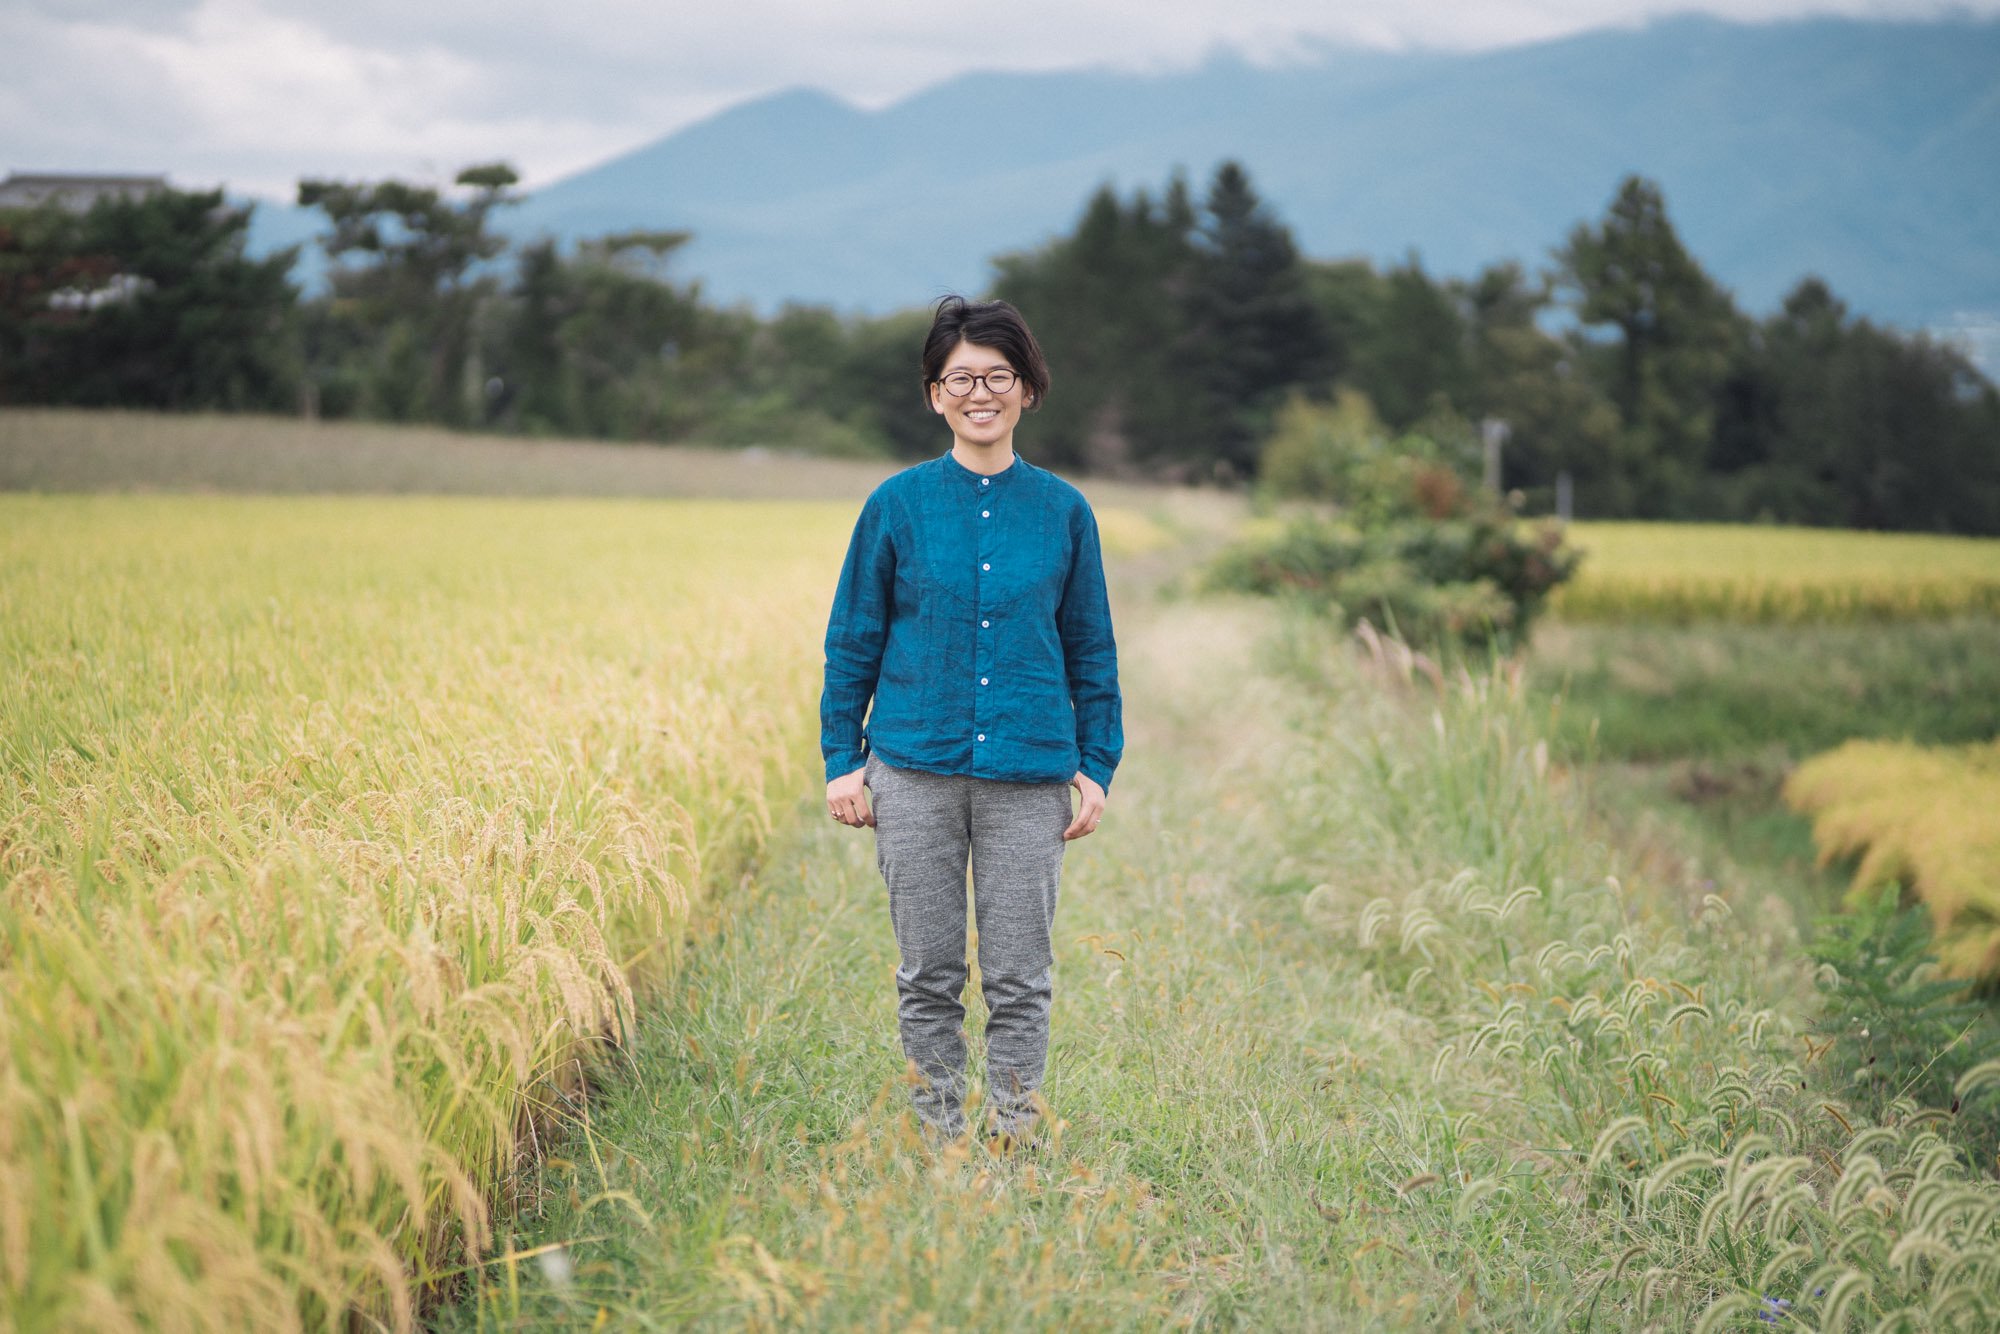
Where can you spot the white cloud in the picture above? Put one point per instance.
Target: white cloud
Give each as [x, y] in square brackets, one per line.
[239, 92]
[261, 92]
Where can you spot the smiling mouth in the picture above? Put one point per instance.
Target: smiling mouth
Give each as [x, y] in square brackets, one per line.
[981, 417]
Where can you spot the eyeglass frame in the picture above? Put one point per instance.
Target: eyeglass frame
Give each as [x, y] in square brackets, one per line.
[981, 380]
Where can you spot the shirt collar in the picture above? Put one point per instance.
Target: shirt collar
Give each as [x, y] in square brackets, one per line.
[956, 469]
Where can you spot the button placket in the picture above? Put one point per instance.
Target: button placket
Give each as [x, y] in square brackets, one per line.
[985, 544]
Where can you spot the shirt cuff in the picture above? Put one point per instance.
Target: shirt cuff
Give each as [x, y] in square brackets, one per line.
[844, 763]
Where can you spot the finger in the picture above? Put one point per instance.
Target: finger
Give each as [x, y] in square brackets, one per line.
[1079, 826]
[867, 816]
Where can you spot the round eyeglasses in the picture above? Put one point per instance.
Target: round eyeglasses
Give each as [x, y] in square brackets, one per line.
[959, 383]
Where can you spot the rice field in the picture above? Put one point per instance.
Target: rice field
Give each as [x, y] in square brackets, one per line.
[1926, 818]
[1682, 573]
[338, 839]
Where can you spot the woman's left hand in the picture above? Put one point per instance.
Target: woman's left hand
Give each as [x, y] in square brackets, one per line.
[1092, 809]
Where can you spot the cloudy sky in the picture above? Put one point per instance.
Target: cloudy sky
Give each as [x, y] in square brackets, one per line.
[256, 93]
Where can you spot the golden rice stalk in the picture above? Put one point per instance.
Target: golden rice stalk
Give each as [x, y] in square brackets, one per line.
[331, 833]
[1922, 817]
[1738, 572]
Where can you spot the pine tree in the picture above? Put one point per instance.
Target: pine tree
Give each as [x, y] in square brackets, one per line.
[1676, 332]
[1255, 330]
[413, 289]
[1108, 304]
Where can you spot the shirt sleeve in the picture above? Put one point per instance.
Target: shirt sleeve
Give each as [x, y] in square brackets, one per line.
[856, 631]
[1090, 657]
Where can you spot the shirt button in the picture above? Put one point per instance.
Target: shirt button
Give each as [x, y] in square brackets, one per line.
[986, 514]
[982, 680]
[984, 566]
[984, 624]
[986, 481]
[982, 736]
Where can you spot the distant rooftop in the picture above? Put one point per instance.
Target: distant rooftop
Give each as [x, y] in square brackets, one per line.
[72, 191]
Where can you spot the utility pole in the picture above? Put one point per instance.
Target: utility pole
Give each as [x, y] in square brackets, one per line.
[1493, 433]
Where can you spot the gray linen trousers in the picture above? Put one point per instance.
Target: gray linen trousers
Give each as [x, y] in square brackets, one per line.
[927, 827]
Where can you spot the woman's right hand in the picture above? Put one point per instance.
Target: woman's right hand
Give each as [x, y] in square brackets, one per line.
[847, 799]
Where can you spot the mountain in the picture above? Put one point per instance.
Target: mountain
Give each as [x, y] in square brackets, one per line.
[1865, 152]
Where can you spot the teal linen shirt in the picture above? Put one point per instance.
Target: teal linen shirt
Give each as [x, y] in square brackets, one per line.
[972, 612]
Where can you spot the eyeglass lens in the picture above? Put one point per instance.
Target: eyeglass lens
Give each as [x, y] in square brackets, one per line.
[959, 383]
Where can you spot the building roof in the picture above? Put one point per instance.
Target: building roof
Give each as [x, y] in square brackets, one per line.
[73, 189]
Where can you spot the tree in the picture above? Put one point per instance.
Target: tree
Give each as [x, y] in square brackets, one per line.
[1829, 419]
[879, 385]
[1676, 333]
[1557, 419]
[1255, 330]
[408, 292]
[144, 302]
[1108, 304]
[602, 342]
[1416, 348]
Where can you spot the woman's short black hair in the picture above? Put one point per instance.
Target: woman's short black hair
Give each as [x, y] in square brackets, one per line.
[994, 324]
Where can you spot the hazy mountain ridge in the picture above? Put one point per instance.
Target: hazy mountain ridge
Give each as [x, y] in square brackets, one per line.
[1867, 152]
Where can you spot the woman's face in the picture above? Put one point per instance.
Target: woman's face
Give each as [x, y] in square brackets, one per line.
[982, 417]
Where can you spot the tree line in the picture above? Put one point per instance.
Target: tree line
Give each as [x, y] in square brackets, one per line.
[1180, 328]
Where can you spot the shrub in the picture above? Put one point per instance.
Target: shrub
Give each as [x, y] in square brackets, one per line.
[1471, 579]
[1341, 452]
[1416, 548]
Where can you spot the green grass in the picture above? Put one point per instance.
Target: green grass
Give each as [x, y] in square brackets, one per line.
[1691, 730]
[1731, 693]
[1359, 1020]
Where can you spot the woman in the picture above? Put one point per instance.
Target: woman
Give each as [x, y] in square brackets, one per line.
[971, 611]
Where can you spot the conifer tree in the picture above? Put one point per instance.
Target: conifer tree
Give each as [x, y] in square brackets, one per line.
[410, 289]
[1255, 330]
[1676, 332]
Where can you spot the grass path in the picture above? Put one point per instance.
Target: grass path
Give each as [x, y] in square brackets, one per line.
[1358, 1021]
[757, 1164]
